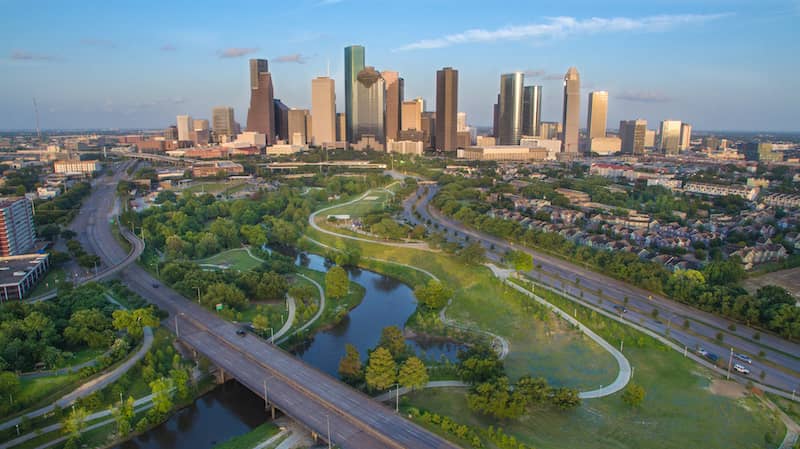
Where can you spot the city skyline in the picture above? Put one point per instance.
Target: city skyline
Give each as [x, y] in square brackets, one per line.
[184, 71]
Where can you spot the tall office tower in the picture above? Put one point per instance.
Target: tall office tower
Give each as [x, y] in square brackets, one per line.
[412, 114]
[353, 65]
[298, 126]
[185, 127]
[686, 136]
[200, 124]
[461, 120]
[496, 118]
[532, 110]
[341, 127]
[650, 138]
[761, 151]
[632, 133]
[281, 114]
[261, 115]
[370, 105]
[446, 109]
[171, 133]
[670, 137]
[323, 109]
[16, 226]
[598, 114]
[223, 123]
[428, 124]
[550, 130]
[394, 103]
[571, 111]
[509, 116]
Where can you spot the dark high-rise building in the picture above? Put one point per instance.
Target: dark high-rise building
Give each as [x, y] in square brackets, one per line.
[509, 116]
[281, 113]
[632, 133]
[394, 103]
[429, 129]
[370, 106]
[532, 110]
[762, 152]
[353, 65]
[571, 111]
[446, 109]
[223, 124]
[16, 226]
[496, 117]
[260, 116]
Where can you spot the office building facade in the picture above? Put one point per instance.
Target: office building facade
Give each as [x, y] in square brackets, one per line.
[632, 134]
[185, 127]
[596, 119]
[571, 111]
[223, 123]
[532, 110]
[323, 110]
[412, 114]
[670, 137]
[686, 136]
[354, 63]
[510, 108]
[261, 114]
[17, 232]
[394, 103]
[369, 110]
[446, 109]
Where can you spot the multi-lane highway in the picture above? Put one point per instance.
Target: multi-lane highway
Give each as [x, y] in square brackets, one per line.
[321, 403]
[782, 367]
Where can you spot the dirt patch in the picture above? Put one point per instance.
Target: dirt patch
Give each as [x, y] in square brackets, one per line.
[727, 389]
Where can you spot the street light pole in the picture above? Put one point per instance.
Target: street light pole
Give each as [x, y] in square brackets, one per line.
[730, 364]
[177, 332]
[328, 418]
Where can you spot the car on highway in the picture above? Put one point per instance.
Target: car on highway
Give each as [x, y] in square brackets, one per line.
[702, 352]
[621, 309]
[741, 369]
[744, 358]
[155, 285]
[242, 332]
[711, 356]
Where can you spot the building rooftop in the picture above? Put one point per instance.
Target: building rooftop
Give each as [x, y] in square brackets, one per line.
[14, 268]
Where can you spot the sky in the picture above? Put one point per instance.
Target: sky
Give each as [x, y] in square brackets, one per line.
[717, 64]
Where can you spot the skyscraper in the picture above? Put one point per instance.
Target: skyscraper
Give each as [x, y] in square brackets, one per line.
[260, 115]
[571, 111]
[323, 110]
[223, 123]
[496, 118]
[510, 107]
[353, 65]
[598, 114]
[670, 140]
[17, 232]
[632, 133]
[185, 127]
[461, 120]
[446, 109]
[532, 110]
[686, 136]
[341, 127]
[298, 126]
[281, 113]
[428, 121]
[412, 114]
[368, 111]
[394, 103]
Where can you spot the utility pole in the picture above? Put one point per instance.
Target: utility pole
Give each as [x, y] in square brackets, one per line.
[330, 444]
[397, 399]
[266, 398]
[730, 364]
[177, 332]
[198, 294]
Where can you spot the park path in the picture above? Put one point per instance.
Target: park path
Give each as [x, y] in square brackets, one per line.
[317, 315]
[432, 384]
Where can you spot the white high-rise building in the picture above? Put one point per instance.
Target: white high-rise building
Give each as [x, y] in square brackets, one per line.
[461, 122]
[670, 140]
[323, 111]
[686, 136]
[185, 127]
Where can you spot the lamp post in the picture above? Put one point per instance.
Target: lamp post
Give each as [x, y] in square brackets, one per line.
[328, 419]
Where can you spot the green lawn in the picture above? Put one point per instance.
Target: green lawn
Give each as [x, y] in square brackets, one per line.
[236, 259]
[250, 439]
[52, 280]
[679, 412]
[36, 392]
[375, 203]
[214, 188]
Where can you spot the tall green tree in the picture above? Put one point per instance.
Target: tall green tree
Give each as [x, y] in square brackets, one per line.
[392, 338]
[90, 326]
[123, 416]
[162, 390]
[381, 370]
[434, 295]
[520, 260]
[633, 395]
[413, 374]
[134, 321]
[74, 425]
[350, 365]
[337, 284]
[226, 294]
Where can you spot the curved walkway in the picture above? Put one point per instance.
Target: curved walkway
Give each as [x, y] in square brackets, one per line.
[319, 310]
[289, 320]
[312, 221]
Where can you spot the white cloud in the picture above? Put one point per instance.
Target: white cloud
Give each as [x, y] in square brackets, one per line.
[561, 27]
[236, 52]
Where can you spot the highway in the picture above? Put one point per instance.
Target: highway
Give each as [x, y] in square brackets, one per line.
[302, 392]
[703, 327]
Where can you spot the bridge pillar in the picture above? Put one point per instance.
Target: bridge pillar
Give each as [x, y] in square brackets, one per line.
[220, 376]
[315, 437]
[272, 409]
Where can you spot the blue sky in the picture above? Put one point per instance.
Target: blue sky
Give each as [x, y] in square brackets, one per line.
[716, 64]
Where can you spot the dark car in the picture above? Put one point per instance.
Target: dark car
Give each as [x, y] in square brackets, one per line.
[155, 285]
[713, 357]
[621, 309]
[242, 332]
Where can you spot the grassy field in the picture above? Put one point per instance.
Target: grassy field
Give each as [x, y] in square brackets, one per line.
[236, 259]
[680, 410]
[375, 203]
[214, 188]
[250, 439]
[53, 279]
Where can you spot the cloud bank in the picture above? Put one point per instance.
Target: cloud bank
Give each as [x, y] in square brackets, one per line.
[236, 52]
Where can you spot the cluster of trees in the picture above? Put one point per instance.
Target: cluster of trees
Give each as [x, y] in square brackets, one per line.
[461, 431]
[18, 182]
[337, 284]
[84, 259]
[492, 393]
[232, 288]
[62, 209]
[433, 295]
[391, 362]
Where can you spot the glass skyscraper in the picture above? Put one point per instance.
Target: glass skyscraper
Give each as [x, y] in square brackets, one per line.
[353, 65]
[532, 110]
[510, 108]
[370, 105]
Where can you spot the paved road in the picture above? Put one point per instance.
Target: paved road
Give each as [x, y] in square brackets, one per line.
[302, 392]
[703, 328]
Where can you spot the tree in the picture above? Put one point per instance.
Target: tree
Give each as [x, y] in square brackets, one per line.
[520, 260]
[261, 323]
[534, 389]
[166, 196]
[498, 399]
[434, 295]
[473, 254]
[123, 416]
[565, 398]
[134, 321]
[479, 364]
[271, 286]
[162, 395]
[74, 424]
[350, 365]
[180, 378]
[413, 374]
[633, 395]
[392, 339]
[226, 294]
[255, 235]
[381, 370]
[89, 326]
[337, 284]
[9, 384]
